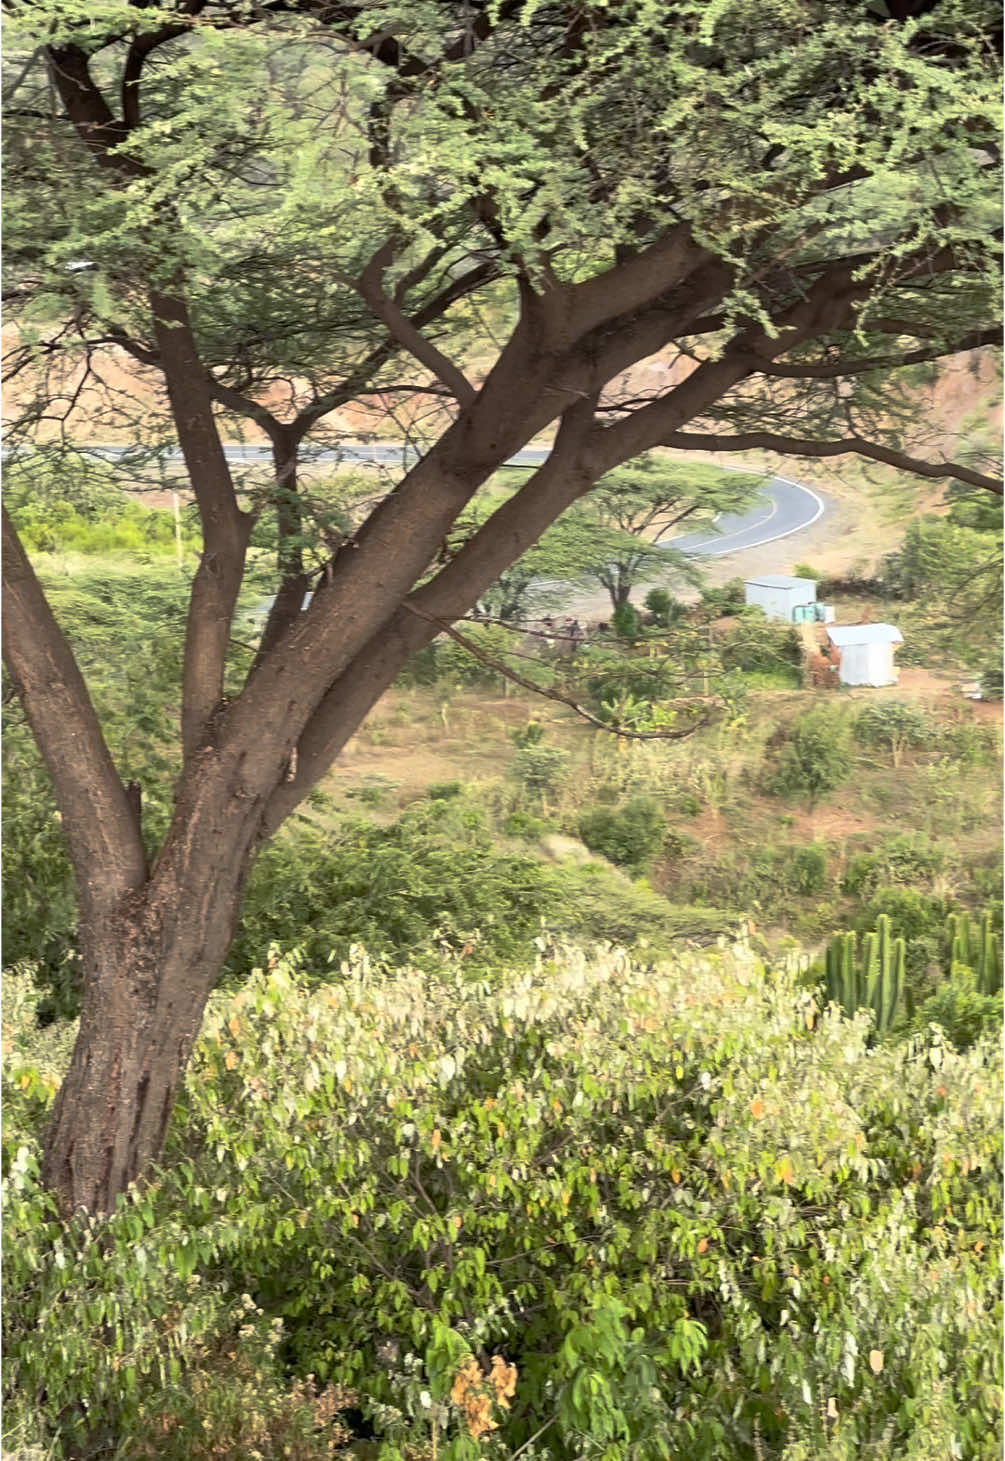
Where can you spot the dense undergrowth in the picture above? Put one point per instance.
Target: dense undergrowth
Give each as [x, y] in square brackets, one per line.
[587, 1209]
[477, 1193]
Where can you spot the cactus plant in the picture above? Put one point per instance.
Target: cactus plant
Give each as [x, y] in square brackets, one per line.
[874, 981]
[977, 948]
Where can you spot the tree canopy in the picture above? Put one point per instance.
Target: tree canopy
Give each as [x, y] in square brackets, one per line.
[478, 219]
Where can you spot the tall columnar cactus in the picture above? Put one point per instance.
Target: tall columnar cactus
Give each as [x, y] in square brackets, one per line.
[976, 947]
[874, 981]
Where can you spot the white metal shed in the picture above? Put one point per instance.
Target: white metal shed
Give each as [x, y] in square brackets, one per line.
[866, 652]
[780, 595]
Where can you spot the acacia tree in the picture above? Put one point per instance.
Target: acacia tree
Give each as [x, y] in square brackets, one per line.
[631, 510]
[277, 204]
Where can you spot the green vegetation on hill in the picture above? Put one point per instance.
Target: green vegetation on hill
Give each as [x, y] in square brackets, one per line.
[480, 1192]
[583, 1208]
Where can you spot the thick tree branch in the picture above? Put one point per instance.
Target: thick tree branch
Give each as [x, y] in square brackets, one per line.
[834, 369]
[849, 445]
[100, 825]
[225, 528]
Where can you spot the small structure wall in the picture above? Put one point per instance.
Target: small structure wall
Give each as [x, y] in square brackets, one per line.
[780, 595]
[867, 664]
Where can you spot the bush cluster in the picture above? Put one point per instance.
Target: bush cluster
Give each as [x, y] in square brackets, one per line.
[629, 836]
[625, 1211]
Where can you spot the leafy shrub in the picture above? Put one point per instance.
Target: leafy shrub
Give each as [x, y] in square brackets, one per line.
[962, 1012]
[664, 608]
[992, 682]
[759, 644]
[431, 882]
[522, 824]
[809, 868]
[803, 570]
[729, 598]
[625, 621]
[895, 726]
[814, 758]
[971, 742]
[760, 879]
[443, 791]
[681, 1205]
[540, 769]
[905, 859]
[629, 835]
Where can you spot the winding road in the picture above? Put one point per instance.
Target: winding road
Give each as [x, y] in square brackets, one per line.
[781, 509]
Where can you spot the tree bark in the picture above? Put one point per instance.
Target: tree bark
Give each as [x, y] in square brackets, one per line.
[148, 970]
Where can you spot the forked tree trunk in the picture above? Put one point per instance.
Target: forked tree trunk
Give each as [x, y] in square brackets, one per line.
[148, 973]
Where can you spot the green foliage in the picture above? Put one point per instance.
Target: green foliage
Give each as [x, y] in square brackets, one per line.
[125, 623]
[625, 621]
[761, 644]
[540, 770]
[814, 757]
[963, 1011]
[67, 503]
[629, 835]
[904, 859]
[444, 791]
[895, 726]
[803, 570]
[435, 881]
[730, 598]
[873, 980]
[761, 879]
[683, 1204]
[992, 682]
[664, 608]
[953, 574]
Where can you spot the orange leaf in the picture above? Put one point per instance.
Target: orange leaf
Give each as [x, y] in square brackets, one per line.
[230, 1059]
[757, 1108]
[784, 1170]
[234, 1026]
[437, 1139]
[703, 1245]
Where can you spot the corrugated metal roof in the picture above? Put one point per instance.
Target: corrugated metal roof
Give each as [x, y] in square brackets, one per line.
[781, 580]
[844, 634]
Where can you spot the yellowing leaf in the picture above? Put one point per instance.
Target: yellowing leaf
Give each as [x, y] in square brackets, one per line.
[875, 1360]
[703, 1245]
[436, 1140]
[757, 1108]
[230, 1059]
[784, 1170]
[234, 1026]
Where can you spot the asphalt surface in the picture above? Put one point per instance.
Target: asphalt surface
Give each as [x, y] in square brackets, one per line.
[783, 507]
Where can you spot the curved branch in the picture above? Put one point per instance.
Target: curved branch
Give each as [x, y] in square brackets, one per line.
[849, 445]
[833, 369]
[100, 824]
[510, 674]
[405, 333]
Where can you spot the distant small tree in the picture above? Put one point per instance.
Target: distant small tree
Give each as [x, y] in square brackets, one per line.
[814, 758]
[634, 509]
[894, 725]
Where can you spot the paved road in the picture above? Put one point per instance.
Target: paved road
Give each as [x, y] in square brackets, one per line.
[784, 507]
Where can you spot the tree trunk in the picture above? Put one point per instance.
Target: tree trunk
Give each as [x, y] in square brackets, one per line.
[113, 1108]
[149, 968]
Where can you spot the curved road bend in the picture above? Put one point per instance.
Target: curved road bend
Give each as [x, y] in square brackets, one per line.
[782, 508]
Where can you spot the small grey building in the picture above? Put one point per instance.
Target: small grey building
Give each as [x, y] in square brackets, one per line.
[866, 652]
[782, 596]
